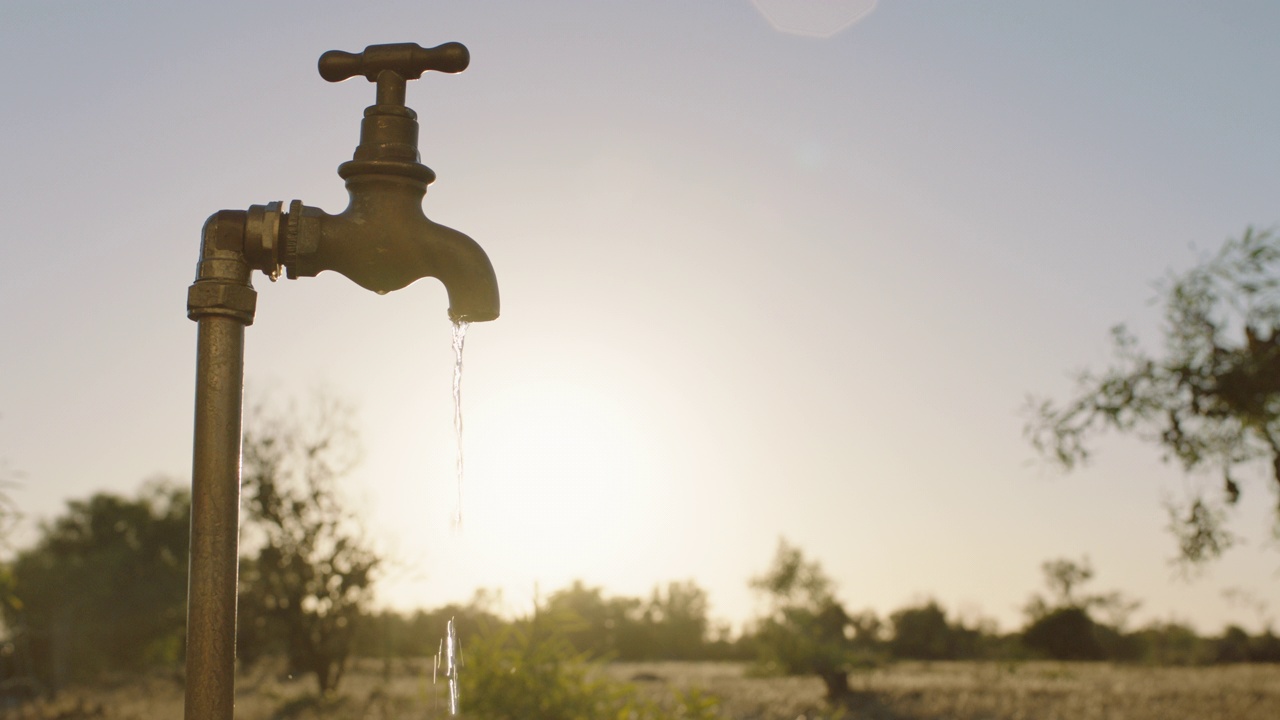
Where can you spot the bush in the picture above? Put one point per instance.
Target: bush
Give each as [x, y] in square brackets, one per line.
[104, 587]
[924, 633]
[529, 669]
[1174, 644]
[807, 630]
[1232, 647]
[1065, 634]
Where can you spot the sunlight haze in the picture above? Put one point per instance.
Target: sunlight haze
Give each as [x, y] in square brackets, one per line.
[755, 284]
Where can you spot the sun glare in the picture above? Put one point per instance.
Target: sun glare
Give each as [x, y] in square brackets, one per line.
[560, 477]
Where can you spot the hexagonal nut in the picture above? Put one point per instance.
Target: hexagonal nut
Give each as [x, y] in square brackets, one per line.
[302, 240]
[220, 298]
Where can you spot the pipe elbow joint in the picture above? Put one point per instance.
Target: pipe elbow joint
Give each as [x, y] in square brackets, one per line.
[222, 287]
[222, 248]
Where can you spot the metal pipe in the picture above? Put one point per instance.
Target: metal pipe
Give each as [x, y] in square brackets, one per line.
[222, 301]
[215, 515]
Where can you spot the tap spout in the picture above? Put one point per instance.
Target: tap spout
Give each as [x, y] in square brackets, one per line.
[383, 241]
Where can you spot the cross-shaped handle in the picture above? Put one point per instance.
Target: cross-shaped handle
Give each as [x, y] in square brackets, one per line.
[391, 65]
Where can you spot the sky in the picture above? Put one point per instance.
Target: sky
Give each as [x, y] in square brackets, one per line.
[764, 275]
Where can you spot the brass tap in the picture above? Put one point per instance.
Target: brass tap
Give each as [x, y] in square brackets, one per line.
[382, 240]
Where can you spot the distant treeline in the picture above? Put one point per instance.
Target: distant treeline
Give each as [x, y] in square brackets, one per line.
[103, 590]
[672, 624]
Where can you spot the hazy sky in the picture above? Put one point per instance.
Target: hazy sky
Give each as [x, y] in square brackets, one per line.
[755, 284]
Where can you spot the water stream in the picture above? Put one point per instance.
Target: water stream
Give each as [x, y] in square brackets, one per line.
[450, 647]
[459, 338]
[451, 661]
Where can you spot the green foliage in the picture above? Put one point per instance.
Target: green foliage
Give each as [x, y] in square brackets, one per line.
[596, 626]
[9, 513]
[1173, 644]
[807, 631]
[671, 625]
[924, 633]
[1237, 646]
[308, 574]
[1233, 646]
[1065, 578]
[675, 622]
[530, 669]
[389, 634]
[1064, 634]
[1062, 626]
[104, 587]
[1211, 401]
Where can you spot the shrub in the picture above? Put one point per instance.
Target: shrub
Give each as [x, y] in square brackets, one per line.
[1065, 634]
[529, 669]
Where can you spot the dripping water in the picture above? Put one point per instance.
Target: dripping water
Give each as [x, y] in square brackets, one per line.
[451, 661]
[459, 338]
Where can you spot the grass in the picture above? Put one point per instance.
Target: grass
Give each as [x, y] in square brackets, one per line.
[991, 691]
[904, 691]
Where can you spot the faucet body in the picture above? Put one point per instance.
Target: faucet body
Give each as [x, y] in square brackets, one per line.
[383, 241]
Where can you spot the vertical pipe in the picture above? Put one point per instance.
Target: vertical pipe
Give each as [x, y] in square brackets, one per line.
[215, 514]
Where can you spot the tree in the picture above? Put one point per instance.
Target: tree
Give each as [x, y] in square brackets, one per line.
[671, 625]
[9, 513]
[924, 633]
[1062, 626]
[104, 587]
[593, 625]
[389, 634]
[308, 572]
[1065, 578]
[1211, 401]
[1066, 633]
[807, 630]
[677, 621]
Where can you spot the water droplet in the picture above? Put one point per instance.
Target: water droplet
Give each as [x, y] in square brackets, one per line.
[381, 292]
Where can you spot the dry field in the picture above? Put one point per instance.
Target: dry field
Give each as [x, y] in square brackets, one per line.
[991, 691]
[907, 691]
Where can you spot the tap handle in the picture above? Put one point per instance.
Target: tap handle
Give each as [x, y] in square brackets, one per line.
[408, 60]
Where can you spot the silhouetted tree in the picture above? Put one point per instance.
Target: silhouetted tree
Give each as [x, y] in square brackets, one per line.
[1212, 400]
[592, 624]
[1232, 647]
[1066, 633]
[1062, 626]
[9, 512]
[676, 621]
[923, 633]
[807, 630]
[1265, 648]
[104, 587]
[1172, 643]
[307, 573]
[1065, 578]
[671, 625]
